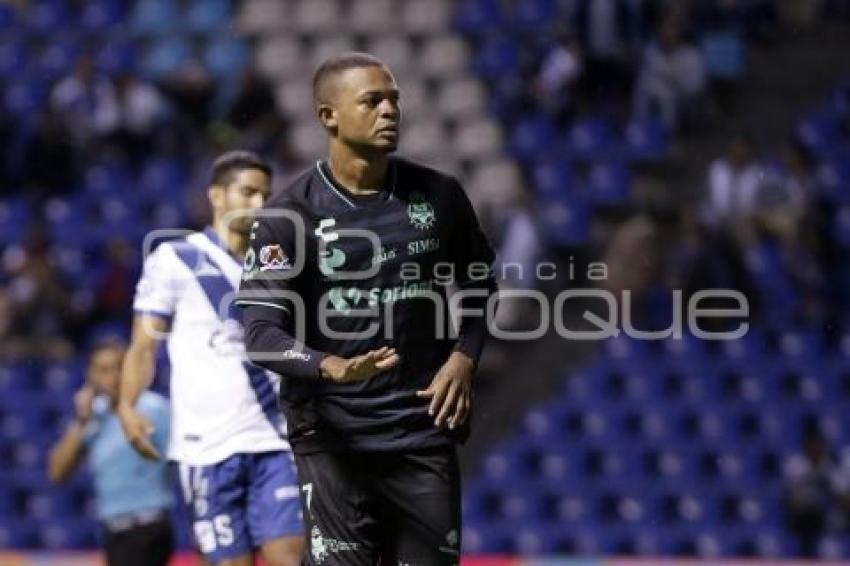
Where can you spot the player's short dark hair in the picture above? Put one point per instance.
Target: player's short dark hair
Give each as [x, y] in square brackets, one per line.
[230, 163]
[339, 63]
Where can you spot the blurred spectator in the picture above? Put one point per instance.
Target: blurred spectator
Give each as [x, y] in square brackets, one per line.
[672, 76]
[50, 160]
[85, 102]
[253, 112]
[192, 90]
[559, 71]
[606, 30]
[814, 501]
[40, 301]
[733, 181]
[116, 282]
[136, 112]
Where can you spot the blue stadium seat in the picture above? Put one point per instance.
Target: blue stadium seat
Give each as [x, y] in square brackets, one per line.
[108, 179]
[532, 138]
[566, 221]
[155, 17]
[589, 138]
[115, 56]
[487, 538]
[819, 132]
[225, 57]
[67, 535]
[496, 56]
[100, 15]
[532, 15]
[164, 57]
[14, 217]
[14, 58]
[58, 58]
[208, 16]
[18, 533]
[62, 379]
[475, 17]
[553, 178]
[536, 538]
[25, 98]
[609, 183]
[834, 178]
[645, 140]
[8, 17]
[47, 16]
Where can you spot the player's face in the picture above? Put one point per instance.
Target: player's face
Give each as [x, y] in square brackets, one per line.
[247, 190]
[104, 370]
[368, 111]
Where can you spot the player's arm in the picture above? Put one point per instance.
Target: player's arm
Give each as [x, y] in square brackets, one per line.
[450, 392]
[66, 454]
[137, 374]
[267, 295]
[154, 304]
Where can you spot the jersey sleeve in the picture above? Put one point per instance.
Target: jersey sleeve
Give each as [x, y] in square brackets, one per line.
[473, 258]
[268, 296]
[158, 287]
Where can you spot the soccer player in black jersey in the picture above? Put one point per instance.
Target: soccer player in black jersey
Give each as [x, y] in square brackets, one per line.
[344, 295]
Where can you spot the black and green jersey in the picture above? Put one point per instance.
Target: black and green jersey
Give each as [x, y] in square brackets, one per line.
[331, 272]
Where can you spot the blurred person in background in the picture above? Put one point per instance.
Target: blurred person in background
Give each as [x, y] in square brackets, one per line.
[733, 181]
[84, 101]
[136, 111]
[253, 112]
[672, 77]
[817, 499]
[133, 495]
[560, 70]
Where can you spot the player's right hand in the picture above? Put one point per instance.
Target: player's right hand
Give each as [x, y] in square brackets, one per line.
[138, 431]
[359, 368]
[83, 404]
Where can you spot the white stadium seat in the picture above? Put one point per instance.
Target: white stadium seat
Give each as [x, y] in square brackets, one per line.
[295, 98]
[478, 139]
[444, 56]
[280, 56]
[328, 47]
[263, 16]
[423, 140]
[394, 50]
[426, 16]
[307, 140]
[317, 16]
[371, 16]
[461, 97]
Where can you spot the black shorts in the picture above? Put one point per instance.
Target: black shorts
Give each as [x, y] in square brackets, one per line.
[142, 545]
[365, 509]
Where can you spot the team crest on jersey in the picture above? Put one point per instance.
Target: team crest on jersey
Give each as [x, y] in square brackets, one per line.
[272, 258]
[421, 212]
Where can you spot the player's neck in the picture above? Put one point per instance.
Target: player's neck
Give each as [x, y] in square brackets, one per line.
[356, 173]
[236, 243]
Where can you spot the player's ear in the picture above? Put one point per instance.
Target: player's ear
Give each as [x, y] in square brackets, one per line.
[327, 115]
[216, 195]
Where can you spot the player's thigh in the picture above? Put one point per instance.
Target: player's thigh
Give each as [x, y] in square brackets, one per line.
[216, 497]
[274, 508]
[338, 515]
[420, 499]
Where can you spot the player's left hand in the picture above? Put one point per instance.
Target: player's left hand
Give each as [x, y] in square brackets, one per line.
[451, 391]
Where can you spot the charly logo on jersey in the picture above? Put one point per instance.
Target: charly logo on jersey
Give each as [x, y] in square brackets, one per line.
[272, 258]
[420, 212]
